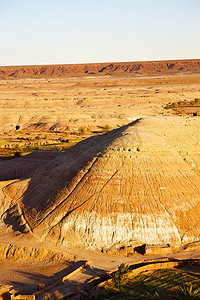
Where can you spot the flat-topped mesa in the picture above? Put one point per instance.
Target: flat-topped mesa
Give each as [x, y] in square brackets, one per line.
[104, 191]
[100, 68]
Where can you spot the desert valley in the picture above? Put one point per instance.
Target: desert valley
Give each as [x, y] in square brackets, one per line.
[99, 166]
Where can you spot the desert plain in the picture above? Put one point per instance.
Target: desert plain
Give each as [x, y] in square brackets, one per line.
[133, 169]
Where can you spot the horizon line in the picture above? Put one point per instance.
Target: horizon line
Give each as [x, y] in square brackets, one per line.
[104, 62]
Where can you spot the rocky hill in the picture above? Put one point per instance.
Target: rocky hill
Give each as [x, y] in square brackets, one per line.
[136, 184]
[101, 68]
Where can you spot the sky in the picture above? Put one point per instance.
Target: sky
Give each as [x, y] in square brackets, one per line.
[35, 32]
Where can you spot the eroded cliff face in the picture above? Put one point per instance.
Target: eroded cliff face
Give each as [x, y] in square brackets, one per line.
[100, 68]
[135, 184]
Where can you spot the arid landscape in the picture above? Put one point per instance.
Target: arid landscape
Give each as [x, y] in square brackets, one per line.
[97, 163]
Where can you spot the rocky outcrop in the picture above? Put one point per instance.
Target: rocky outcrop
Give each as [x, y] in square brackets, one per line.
[16, 252]
[130, 185]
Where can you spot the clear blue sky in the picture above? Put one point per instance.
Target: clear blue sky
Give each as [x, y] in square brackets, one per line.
[75, 31]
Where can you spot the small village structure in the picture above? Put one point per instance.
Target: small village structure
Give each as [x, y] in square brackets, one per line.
[190, 110]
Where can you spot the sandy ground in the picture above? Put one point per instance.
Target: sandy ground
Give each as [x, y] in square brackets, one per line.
[89, 101]
[24, 276]
[58, 107]
[69, 103]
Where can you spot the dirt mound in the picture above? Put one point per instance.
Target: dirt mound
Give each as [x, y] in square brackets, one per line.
[102, 68]
[14, 252]
[130, 185]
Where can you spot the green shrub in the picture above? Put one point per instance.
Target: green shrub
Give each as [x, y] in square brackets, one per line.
[82, 130]
[119, 277]
[173, 105]
[170, 105]
[167, 106]
[17, 146]
[192, 102]
[188, 291]
[55, 296]
[57, 148]
[29, 148]
[17, 154]
[107, 127]
[35, 148]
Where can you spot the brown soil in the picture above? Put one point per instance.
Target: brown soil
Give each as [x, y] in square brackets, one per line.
[102, 69]
[55, 101]
[65, 104]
